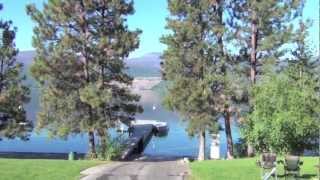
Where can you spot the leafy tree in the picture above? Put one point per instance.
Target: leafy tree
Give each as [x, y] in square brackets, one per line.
[262, 29]
[13, 93]
[287, 104]
[81, 46]
[286, 112]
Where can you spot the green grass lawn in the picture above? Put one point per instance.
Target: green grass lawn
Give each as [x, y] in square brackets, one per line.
[39, 169]
[243, 169]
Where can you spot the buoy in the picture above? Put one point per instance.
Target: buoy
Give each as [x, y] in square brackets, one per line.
[23, 123]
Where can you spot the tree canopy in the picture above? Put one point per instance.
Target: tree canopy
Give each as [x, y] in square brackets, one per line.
[81, 47]
[13, 93]
[286, 112]
[194, 64]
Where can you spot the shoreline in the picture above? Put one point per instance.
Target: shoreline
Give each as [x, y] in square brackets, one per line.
[145, 83]
[39, 155]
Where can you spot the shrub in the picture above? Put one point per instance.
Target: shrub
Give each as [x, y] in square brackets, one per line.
[111, 149]
[240, 149]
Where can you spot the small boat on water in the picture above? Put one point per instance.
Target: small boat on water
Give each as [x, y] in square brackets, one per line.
[161, 128]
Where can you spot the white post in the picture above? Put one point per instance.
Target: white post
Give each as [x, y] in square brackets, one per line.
[215, 146]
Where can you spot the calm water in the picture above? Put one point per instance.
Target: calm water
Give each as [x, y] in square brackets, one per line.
[177, 143]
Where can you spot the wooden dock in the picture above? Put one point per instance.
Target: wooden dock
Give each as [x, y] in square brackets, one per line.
[138, 140]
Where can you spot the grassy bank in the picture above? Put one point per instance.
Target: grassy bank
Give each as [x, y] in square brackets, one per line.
[39, 169]
[243, 169]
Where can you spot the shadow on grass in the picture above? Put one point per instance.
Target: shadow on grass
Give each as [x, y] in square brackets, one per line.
[304, 176]
[308, 176]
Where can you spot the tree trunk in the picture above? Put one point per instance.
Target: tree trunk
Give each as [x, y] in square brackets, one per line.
[253, 63]
[202, 146]
[253, 57]
[227, 113]
[103, 142]
[84, 52]
[227, 120]
[92, 146]
[2, 78]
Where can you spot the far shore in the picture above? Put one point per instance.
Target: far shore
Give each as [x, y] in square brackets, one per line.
[145, 83]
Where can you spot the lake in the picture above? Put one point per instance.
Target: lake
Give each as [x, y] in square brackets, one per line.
[176, 143]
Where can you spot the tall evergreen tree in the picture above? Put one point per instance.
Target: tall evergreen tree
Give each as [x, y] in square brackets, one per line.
[223, 60]
[13, 93]
[81, 46]
[230, 90]
[194, 63]
[262, 28]
[302, 54]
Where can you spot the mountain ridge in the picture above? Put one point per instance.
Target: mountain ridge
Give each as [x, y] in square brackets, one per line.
[147, 65]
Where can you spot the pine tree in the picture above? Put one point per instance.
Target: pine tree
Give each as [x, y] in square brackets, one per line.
[302, 54]
[194, 65]
[229, 87]
[13, 93]
[81, 46]
[262, 28]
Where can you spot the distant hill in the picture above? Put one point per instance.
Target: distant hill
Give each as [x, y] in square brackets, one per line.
[145, 66]
[26, 57]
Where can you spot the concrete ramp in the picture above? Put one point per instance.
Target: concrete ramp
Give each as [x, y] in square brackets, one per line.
[138, 140]
[148, 169]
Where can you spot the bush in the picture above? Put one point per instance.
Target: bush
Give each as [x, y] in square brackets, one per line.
[285, 117]
[240, 149]
[111, 149]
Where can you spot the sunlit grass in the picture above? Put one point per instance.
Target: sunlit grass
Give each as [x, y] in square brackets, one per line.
[244, 169]
[39, 169]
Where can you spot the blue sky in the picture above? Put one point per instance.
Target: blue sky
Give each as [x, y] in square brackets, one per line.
[149, 17]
